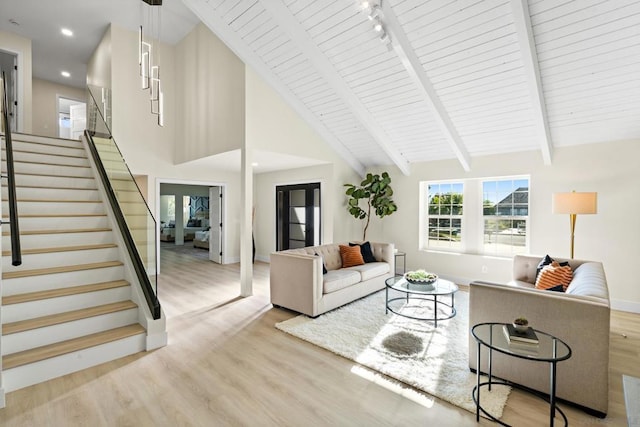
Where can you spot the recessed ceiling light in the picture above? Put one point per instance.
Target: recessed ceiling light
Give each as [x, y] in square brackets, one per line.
[67, 32]
[65, 74]
[254, 164]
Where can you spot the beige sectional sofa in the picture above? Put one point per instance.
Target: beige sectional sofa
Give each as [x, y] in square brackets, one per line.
[579, 316]
[297, 282]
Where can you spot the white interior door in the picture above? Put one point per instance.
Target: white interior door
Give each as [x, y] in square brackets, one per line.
[78, 119]
[215, 221]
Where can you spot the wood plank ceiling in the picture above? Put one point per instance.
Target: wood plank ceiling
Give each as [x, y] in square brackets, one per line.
[451, 79]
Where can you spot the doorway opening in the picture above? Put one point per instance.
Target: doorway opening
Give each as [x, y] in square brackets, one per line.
[72, 118]
[298, 216]
[9, 66]
[191, 220]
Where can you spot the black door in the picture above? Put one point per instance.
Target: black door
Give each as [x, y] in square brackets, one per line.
[298, 216]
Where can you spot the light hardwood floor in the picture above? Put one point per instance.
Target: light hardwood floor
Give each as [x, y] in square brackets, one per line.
[227, 365]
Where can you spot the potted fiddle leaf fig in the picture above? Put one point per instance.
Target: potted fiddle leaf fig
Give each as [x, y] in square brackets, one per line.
[376, 192]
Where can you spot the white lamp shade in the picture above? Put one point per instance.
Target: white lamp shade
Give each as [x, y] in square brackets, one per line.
[575, 203]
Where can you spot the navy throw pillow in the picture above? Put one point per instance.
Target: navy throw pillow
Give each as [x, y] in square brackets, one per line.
[324, 269]
[556, 288]
[366, 251]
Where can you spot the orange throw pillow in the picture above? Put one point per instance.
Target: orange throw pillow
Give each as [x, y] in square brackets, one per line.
[351, 256]
[552, 275]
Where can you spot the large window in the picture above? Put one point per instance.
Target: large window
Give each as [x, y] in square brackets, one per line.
[445, 215]
[505, 211]
[477, 216]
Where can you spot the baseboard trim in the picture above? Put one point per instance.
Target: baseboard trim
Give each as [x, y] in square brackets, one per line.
[263, 258]
[622, 305]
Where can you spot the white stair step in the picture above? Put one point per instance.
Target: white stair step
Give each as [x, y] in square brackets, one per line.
[23, 285]
[51, 306]
[38, 222]
[47, 159]
[65, 360]
[15, 136]
[39, 147]
[69, 329]
[55, 259]
[59, 207]
[55, 181]
[45, 169]
[28, 297]
[51, 194]
[28, 340]
[19, 286]
[32, 241]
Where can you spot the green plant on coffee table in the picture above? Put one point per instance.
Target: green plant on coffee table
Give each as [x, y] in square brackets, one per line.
[420, 276]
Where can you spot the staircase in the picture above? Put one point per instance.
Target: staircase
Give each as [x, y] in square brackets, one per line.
[69, 305]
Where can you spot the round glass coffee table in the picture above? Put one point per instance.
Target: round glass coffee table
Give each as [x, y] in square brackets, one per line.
[412, 291]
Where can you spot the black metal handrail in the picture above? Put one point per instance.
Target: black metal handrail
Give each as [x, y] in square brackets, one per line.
[138, 264]
[16, 253]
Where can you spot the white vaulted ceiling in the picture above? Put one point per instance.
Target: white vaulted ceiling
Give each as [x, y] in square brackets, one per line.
[460, 78]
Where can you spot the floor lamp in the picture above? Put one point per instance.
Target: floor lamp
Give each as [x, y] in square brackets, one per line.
[573, 204]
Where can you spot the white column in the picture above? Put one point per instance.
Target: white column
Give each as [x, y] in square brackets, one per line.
[179, 220]
[246, 241]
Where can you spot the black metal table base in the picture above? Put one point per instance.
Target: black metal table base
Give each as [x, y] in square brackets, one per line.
[436, 302]
[474, 395]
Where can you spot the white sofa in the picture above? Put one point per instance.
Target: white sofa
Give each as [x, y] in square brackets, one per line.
[579, 317]
[297, 281]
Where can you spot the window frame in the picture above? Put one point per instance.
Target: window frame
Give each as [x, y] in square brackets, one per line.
[426, 216]
[500, 217]
[472, 218]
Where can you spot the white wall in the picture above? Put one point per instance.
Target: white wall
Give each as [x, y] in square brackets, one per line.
[148, 148]
[610, 169]
[99, 66]
[15, 44]
[273, 125]
[45, 105]
[211, 99]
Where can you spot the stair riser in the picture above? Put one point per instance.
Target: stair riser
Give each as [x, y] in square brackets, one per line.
[50, 170]
[67, 223]
[47, 158]
[56, 208]
[65, 331]
[61, 280]
[67, 239]
[54, 181]
[45, 307]
[47, 149]
[34, 373]
[58, 259]
[42, 139]
[52, 194]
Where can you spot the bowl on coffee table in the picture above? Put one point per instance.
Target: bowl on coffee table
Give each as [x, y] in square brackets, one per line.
[422, 279]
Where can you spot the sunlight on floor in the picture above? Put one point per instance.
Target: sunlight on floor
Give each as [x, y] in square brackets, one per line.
[394, 386]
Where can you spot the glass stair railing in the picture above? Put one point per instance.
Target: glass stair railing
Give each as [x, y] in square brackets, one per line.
[136, 223]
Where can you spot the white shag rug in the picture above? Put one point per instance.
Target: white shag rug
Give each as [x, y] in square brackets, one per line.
[434, 360]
